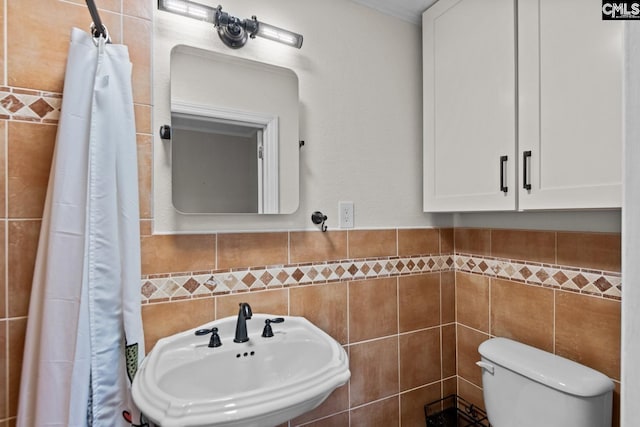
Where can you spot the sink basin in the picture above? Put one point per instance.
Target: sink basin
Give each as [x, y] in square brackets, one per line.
[262, 382]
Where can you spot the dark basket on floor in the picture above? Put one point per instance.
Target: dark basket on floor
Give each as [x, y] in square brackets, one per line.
[454, 411]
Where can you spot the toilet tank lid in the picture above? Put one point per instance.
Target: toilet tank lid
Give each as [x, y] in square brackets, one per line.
[551, 370]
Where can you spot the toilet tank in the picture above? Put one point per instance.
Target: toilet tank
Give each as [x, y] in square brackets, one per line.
[527, 387]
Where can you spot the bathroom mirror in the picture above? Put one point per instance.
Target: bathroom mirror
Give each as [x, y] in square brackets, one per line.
[234, 135]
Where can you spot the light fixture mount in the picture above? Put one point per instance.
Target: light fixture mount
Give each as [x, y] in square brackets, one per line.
[233, 31]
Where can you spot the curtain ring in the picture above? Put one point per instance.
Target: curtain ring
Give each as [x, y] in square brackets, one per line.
[96, 34]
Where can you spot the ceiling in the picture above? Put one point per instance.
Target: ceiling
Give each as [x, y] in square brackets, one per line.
[407, 10]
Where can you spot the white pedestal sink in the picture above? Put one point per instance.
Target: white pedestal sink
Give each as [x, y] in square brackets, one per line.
[261, 383]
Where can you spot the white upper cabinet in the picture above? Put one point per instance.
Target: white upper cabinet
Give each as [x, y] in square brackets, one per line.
[570, 105]
[469, 105]
[565, 114]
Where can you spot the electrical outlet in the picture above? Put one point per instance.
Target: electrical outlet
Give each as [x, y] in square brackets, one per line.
[345, 214]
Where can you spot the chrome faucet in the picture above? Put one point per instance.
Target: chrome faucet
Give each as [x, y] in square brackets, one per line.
[244, 314]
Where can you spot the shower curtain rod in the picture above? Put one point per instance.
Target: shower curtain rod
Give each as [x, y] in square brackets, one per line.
[99, 30]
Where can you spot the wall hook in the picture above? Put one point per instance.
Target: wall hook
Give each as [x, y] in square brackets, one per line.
[319, 218]
[165, 132]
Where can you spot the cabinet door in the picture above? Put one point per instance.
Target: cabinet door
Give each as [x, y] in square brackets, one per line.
[570, 105]
[469, 105]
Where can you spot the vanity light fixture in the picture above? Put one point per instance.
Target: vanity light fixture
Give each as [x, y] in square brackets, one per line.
[231, 30]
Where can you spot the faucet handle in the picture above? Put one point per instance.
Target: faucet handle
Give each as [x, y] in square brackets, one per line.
[267, 332]
[215, 338]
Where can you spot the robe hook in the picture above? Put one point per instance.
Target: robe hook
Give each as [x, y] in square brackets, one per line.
[319, 218]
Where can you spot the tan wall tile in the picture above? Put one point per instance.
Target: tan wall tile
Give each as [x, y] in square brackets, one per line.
[446, 241]
[419, 301]
[374, 370]
[372, 243]
[146, 227]
[3, 269]
[412, 404]
[31, 36]
[537, 246]
[472, 301]
[2, 44]
[163, 320]
[309, 246]
[471, 393]
[337, 401]
[252, 249]
[139, 8]
[475, 241]
[23, 245]
[373, 309]
[325, 306]
[468, 342]
[420, 361]
[449, 358]
[3, 157]
[145, 162]
[30, 151]
[3, 369]
[382, 413]
[143, 118]
[588, 331]
[339, 420]
[17, 331]
[448, 296]
[450, 386]
[418, 241]
[523, 313]
[137, 36]
[177, 253]
[271, 302]
[600, 251]
[112, 5]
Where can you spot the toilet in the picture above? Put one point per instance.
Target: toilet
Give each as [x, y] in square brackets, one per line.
[527, 387]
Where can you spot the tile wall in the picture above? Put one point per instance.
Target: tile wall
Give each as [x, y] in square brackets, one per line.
[573, 318]
[393, 298]
[396, 321]
[34, 40]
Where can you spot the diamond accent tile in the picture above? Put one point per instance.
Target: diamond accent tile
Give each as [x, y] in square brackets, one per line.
[191, 285]
[282, 276]
[580, 281]
[602, 284]
[297, 275]
[560, 277]
[148, 289]
[266, 277]
[542, 275]
[11, 103]
[525, 272]
[41, 107]
[365, 269]
[249, 279]
[377, 267]
[352, 269]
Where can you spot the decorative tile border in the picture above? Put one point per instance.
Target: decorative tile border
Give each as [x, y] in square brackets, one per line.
[180, 286]
[604, 284]
[29, 105]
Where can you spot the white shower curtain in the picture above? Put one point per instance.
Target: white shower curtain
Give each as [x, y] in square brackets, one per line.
[84, 337]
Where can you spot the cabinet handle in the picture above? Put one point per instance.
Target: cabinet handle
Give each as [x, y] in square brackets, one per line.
[526, 158]
[503, 167]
